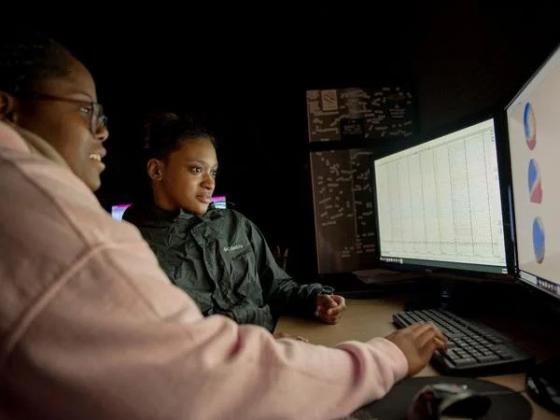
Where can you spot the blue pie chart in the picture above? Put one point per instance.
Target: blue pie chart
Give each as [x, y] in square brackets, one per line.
[538, 240]
[534, 179]
[530, 126]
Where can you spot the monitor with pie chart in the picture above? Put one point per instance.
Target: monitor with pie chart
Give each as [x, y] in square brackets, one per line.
[534, 143]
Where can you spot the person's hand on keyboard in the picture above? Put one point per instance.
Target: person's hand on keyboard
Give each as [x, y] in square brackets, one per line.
[418, 342]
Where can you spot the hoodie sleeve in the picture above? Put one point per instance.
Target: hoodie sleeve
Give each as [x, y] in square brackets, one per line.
[119, 342]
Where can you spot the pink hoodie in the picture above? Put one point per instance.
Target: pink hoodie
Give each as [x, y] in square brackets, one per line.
[90, 327]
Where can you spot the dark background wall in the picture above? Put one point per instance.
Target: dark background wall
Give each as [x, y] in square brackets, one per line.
[244, 70]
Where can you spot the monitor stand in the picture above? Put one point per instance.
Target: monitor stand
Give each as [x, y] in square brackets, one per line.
[367, 284]
[458, 295]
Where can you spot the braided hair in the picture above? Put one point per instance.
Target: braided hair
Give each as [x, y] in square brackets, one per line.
[26, 58]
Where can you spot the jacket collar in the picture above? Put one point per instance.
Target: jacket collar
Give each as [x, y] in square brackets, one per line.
[151, 215]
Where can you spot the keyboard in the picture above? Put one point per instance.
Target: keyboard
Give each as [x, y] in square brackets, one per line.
[474, 349]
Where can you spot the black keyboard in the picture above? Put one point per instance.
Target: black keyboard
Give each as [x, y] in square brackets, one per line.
[474, 349]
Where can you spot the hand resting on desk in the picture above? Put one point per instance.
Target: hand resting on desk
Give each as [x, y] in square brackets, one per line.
[329, 308]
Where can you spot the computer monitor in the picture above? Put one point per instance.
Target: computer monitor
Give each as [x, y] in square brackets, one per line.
[439, 203]
[219, 201]
[117, 210]
[533, 121]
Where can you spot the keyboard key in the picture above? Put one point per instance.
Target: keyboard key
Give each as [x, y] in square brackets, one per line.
[487, 358]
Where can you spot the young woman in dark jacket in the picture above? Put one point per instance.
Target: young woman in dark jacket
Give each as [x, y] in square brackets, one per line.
[218, 256]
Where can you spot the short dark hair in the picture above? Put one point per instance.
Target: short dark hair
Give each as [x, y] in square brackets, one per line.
[165, 132]
[27, 58]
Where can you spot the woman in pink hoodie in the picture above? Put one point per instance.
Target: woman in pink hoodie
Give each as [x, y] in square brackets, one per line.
[91, 328]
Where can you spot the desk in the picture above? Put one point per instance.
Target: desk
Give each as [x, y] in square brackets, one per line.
[367, 318]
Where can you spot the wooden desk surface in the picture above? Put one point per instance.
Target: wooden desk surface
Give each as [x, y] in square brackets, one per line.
[367, 318]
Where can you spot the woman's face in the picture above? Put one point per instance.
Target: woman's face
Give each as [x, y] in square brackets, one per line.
[186, 178]
[67, 125]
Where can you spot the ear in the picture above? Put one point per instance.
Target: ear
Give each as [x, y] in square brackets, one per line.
[7, 107]
[155, 168]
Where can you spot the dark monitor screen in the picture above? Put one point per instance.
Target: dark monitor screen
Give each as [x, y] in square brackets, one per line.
[533, 120]
[439, 204]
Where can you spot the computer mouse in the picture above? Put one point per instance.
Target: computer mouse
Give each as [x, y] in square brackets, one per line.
[543, 384]
[447, 399]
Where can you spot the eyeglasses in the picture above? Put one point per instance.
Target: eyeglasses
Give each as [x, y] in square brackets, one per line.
[98, 120]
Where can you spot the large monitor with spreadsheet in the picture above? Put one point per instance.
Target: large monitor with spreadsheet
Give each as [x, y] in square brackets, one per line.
[533, 120]
[439, 203]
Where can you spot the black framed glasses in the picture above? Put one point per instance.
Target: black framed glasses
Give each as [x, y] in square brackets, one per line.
[98, 120]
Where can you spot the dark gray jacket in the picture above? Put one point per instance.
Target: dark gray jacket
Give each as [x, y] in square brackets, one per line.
[222, 261]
